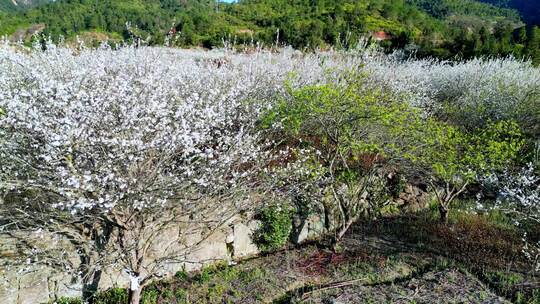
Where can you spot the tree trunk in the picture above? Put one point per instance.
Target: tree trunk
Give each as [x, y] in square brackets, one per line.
[344, 229]
[91, 281]
[90, 286]
[443, 212]
[135, 296]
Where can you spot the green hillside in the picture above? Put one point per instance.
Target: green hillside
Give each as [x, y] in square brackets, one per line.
[443, 28]
[529, 9]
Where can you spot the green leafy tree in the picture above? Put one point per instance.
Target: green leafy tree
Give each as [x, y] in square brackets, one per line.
[352, 127]
[454, 159]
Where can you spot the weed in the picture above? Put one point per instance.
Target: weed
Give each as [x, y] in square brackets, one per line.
[181, 296]
[483, 295]
[181, 275]
[111, 296]
[167, 295]
[390, 209]
[247, 276]
[207, 272]
[66, 300]
[150, 295]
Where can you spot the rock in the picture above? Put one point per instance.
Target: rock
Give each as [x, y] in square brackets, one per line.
[34, 287]
[412, 199]
[66, 286]
[38, 284]
[400, 202]
[8, 248]
[243, 244]
[412, 190]
[211, 250]
[301, 234]
[112, 278]
[312, 227]
[230, 237]
[8, 290]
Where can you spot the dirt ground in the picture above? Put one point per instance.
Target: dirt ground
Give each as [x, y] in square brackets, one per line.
[445, 286]
[378, 262]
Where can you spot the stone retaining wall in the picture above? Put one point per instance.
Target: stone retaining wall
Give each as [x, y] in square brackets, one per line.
[41, 284]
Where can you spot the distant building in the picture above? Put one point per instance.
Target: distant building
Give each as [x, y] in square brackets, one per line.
[381, 36]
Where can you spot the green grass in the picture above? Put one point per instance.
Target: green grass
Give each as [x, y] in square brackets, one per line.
[66, 300]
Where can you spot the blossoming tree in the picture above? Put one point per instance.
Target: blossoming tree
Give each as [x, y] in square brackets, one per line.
[519, 198]
[108, 149]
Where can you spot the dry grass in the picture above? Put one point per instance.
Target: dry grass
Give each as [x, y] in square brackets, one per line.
[472, 239]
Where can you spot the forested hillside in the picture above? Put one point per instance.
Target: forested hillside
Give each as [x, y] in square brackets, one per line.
[269, 151]
[443, 28]
[529, 9]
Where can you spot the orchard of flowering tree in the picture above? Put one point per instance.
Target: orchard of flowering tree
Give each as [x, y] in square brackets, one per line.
[104, 151]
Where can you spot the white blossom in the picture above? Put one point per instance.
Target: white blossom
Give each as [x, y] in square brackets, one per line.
[519, 198]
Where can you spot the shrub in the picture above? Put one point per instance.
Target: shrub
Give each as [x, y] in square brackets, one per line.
[65, 300]
[100, 140]
[109, 139]
[276, 226]
[111, 296]
[454, 158]
[150, 295]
